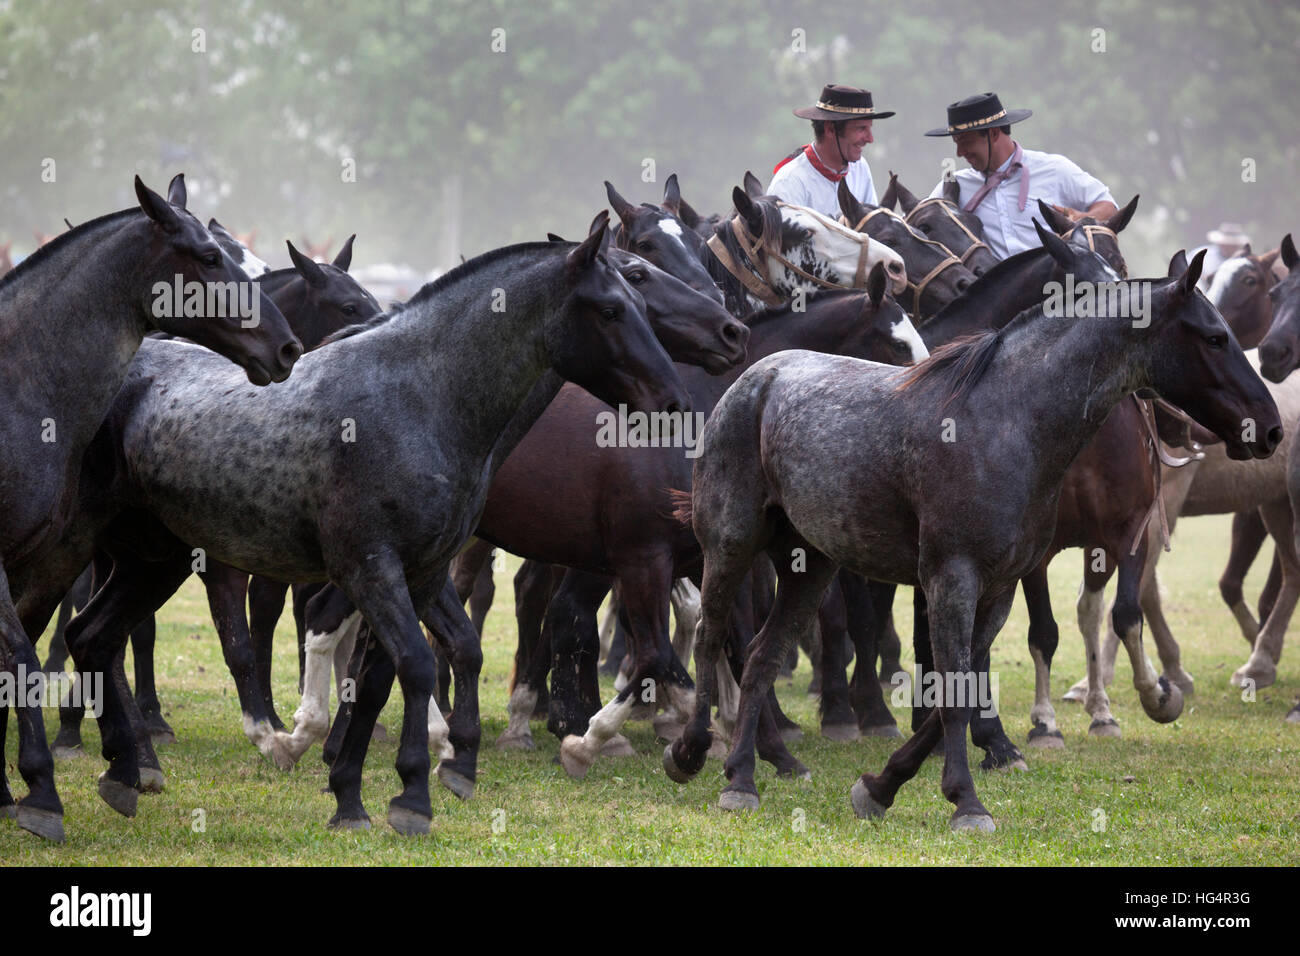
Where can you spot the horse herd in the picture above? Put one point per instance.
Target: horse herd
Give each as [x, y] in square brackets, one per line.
[360, 453]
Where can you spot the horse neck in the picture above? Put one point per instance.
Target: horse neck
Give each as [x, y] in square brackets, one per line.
[997, 298]
[293, 301]
[72, 325]
[454, 349]
[822, 328]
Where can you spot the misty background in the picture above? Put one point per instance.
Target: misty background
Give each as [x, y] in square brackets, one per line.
[471, 125]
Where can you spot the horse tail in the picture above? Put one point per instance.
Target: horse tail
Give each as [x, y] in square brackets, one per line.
[682, 505]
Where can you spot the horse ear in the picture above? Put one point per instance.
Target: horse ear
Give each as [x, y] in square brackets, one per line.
[906, 200]
[672, 195]
[753, 186]
[687, 214]
[176, 191]
[1289, 257]
[306, 266]
[877, 284]
[156, 208]
[1117, 222]
[1056, 247]
[1055, 221]
[849, 205]
[344, 258]
[213, 224]
[952, 191]
[890, 198]
[622, 208]
[581, 258]
[1243, 252]
[552, 237]
[1187, 284]
[748, 211]
[1177, 264]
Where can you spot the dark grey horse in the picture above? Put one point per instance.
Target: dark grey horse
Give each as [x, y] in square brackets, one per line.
[369, 468]
[71, 318]
[946, 479]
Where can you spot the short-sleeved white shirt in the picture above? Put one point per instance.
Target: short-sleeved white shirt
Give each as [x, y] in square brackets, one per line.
[800, 184]
[1052, 178]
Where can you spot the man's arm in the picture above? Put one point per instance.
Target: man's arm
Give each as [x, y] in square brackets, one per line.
[1101, 211]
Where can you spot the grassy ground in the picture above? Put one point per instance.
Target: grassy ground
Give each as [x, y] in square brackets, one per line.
[1218, 786]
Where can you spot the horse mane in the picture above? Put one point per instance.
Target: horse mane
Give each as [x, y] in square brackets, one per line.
[958, 366]
[430, 289]
[773, 225]
[769, 312]
[374, 322]
[48, 250]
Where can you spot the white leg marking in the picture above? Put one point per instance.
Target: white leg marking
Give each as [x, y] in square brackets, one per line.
[312, 718]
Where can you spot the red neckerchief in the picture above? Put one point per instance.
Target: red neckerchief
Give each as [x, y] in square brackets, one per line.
[816, 162]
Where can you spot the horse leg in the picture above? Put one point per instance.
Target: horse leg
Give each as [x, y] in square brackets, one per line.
[1044, 636]
[1248, 534]
[570, 626]
[923, 653]
[373, 672]
[143, 639]
[1261, 667]
[799, 595]
[471, 572]
[330, 616]
[1272, 587]
[378, 590]
[1090, 610]
[838, 721]
[445, 617]
[39, 812]
[986, 730]
[685, 600]
[265, 604]
[864, 620]
[227, 590]
[535, 584]
[1162, 700]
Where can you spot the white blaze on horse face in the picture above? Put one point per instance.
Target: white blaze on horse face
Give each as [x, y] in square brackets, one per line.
[669, 226]
[1224, 278]
[838, 248]
[905, 333]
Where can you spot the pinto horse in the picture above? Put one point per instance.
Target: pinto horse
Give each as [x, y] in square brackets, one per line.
[72, 315]
[947, 480]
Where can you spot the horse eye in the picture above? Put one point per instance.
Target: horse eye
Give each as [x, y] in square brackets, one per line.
[212, 259]
[1251, 280]
[637, 277]
[923, 228]
[1218, 341]
[609, 313]
[349, 310]
[646, 246]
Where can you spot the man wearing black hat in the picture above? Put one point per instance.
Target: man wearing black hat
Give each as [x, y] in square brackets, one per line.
[1004, 179]
[811, 175]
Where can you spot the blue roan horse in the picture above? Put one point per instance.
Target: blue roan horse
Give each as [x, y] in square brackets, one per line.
[945, 478]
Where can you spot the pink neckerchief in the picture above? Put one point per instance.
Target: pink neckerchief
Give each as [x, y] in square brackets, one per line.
[997, 178]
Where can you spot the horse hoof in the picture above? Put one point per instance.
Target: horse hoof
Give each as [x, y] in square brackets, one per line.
[46, 824]
[1170, 704]
[1294, 716]
[738, 800]
[379, 734]
[1184, 683]
[151, 780]
[718, 750]
[617, 746]
[350, 823]
[573, 759]
[1077, 694]
[1019, 764]
[667, 728]
[881, 730]
[1045, 739]
[841, 733]
[795, 771]
[162, 736]
[675, 773]
[408, 822]
[791, 735]
[1261, 678]
[118, 795]
[978, 822]
[68, 753]
[508, 741]
[459, 784]
[865, 806]
[1105, 728]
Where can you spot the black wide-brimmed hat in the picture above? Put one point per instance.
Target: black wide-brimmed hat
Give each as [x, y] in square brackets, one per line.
[982, 111]
[843, 103]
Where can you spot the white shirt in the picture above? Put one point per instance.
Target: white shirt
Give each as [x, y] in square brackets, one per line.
[1052, 178]
[799, 184]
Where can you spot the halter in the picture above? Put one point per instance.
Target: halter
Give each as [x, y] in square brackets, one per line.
[1091, 231]
[754, 275]
[950, 210]
[918, 288]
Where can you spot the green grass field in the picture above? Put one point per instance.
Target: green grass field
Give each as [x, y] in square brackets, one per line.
[1218, 786]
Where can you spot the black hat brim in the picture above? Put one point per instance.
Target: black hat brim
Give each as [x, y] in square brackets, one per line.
[1012, 117]
[817, 113]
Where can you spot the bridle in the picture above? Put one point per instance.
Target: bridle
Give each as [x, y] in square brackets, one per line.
[918, 288]
[753, 275]
[1091, 231]
[950, 210]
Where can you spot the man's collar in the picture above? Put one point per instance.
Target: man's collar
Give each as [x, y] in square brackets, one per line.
[834, 175]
